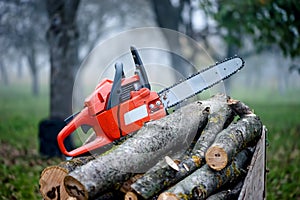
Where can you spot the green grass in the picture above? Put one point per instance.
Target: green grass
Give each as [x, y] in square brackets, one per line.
[281, 115]
[283, 155]
[20, 164]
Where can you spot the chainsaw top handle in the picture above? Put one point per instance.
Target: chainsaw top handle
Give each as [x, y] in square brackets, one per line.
[140, 69]
[115, 94]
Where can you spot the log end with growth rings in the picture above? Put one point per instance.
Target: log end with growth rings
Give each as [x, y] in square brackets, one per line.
[75, 189]
[167, 196]
[216, 158]
[130, 196]
[51, 183]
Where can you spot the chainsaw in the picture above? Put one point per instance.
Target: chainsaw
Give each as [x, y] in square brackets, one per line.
[122, 106]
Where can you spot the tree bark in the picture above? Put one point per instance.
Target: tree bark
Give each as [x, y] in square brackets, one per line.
[138, 153]
[204, 181]
[221, 116]
[229, 193]
[240, 108]
[169, 16]
[237, 136]
[162, 175]
[33, 71]
[62, 37]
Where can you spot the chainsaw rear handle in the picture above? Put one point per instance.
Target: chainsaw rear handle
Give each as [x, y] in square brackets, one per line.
[82, 118]
[68, 119]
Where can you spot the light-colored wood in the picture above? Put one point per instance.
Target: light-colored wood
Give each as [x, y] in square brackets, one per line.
[216, 157]
[51, 179]
[255, 181]
[130, 196]
[167, 196]
[52, 185]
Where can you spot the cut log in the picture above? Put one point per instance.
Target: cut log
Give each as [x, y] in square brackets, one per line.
[126, 186]
[239, 107]
[164, 174]
[221, 116]
[51, 179]
[131, 196]
[204, 181]
[228, 194]
[233, 139]
[138, 153]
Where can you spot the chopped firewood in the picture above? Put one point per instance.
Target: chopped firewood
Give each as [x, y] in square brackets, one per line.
[200, 151]
[202, 183]
[221, 116]
[138, 153]
[168, 172]
[233, 139]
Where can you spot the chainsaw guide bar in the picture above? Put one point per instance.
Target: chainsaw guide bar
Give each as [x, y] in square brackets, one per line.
[200, 81]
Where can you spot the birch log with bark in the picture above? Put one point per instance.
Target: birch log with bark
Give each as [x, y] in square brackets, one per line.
[235, 137]
[228, 194]
[204, 181]
[51, 179]
[138, 153]
[162, 175]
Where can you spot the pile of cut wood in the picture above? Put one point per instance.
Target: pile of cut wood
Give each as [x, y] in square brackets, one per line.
[201, 151]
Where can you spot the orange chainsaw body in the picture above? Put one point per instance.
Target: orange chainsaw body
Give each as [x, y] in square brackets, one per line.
[136, 108]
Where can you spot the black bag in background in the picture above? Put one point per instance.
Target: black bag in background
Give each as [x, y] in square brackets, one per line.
[48, 131]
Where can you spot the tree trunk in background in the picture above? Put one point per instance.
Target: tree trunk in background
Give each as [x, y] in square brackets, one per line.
[3, 72]
[62, 37]
[35, 87]
[169, 16]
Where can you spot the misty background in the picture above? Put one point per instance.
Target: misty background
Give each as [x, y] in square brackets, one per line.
[271, 64]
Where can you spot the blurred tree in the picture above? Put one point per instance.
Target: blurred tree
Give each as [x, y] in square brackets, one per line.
[169, 15]
[101, 18]
[62, 36]
[3, 72]
[267, 22]
[22, 34]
